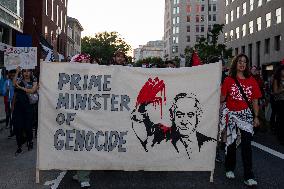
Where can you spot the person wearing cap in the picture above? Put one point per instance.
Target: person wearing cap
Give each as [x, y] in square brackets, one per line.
[119, 58]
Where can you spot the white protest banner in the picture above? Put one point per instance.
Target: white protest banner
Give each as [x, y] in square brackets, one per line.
[94, 117]
[25, 57]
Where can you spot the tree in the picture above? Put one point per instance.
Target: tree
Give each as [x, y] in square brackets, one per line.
[208, 48]
[157, 61]
[104, 45]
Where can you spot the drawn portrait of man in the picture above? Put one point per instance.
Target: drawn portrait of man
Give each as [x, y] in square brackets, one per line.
[185, 115]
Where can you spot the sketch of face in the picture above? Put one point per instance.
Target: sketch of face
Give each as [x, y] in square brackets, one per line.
[185, 115]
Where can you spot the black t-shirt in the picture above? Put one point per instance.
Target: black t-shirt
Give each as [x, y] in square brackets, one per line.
[21, 96]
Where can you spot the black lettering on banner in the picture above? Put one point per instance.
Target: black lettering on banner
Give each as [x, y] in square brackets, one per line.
[96, 82]
[112, 144]
[125, 100]
[80, 140]
[58, 144]
[60, 119]
[105, 97]
[69, 139]
[97, 105]
[63, 101]
[106, 82]
[89, 140]
[121, 142]
[75, 78]
[97, 146]
[63, 79]
[113, 102]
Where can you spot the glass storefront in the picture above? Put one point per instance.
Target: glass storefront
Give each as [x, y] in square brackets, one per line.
[12, 13]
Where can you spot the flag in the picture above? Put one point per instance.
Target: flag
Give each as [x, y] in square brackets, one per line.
[195, 60]
[47, 48]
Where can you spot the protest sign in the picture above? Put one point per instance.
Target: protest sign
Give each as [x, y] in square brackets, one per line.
[25, 57]
[94, 117]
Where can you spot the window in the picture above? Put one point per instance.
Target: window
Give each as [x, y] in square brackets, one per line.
[176, 2]
[238, 12]
[236, 51]
[209, 17]
[202, 18]
[197, 38]
[188, 8]
[232, 15]
[197, 18]
[278, 15]
[61, 17]
[244, 30]
[277, 41]
[267, 46]
[244, 8]
[214, 8]
[251, 2]
[65, 3]
[57, 15]
[231, 35]
[250, 27]
[237, 33]
[46, 31]
[174, 21]
[188, 28]
[268, 1]
[177, 29]
[214, 17]
[259, 3]
[243, 49]
[227, 19]
[188, 18]
[202, 8]
[175, 49]
[227, 2]
[175, 40]
[201, 28]
[258, 22]
[46, 9]
[52, 13]
[175, 10]
[198, 8]
[197, 28]
[268, 19]
[226, 37]
[177, 19]
[188, 38]
[209, 27]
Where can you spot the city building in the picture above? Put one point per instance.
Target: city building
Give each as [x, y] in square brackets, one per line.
[151, 49]
[256, 28]
[74, 30]
[11, 23]
[186, 21]
[49, 19]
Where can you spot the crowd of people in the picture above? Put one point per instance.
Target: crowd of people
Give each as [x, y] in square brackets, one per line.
[244, 95]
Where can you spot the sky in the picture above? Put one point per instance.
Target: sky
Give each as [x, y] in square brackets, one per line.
[137, 21]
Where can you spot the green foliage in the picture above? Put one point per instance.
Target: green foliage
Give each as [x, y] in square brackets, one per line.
[103, 45]
[151, 60]
[208, 48]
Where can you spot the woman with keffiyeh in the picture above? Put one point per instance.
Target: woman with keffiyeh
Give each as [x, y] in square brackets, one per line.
[241, 92]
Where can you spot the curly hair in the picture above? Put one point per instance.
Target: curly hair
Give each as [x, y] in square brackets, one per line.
[233, 68]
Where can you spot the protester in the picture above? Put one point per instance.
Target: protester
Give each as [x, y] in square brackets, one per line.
[241, 92]
[83, 177]
[278, 90]
[119, 58]
[25, 87]
[8, 93]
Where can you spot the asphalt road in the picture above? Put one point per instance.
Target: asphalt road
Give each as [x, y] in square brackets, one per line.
[19, 172]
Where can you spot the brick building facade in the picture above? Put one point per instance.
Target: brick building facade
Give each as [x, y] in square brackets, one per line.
[48, 18]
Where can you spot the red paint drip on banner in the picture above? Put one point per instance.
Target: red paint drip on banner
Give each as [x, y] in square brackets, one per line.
[148, 93]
